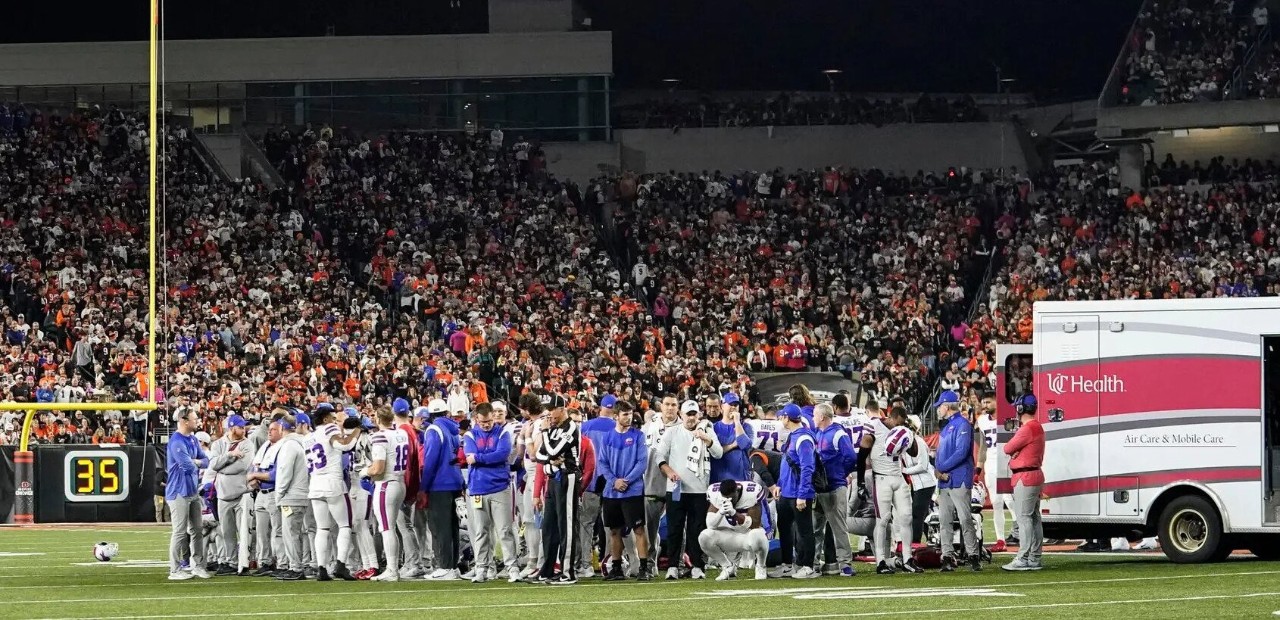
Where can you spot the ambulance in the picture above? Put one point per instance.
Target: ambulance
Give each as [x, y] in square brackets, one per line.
[1161, 418]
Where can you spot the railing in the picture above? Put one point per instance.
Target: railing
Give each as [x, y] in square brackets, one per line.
[1235, 88]
[1110, 94]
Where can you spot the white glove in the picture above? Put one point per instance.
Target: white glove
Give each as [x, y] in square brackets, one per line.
[364, 473]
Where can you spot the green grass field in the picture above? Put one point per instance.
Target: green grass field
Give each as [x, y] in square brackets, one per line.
[51, 573]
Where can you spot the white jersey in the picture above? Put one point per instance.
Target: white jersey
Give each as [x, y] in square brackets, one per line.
[856, 426]
[768, 435]
[881, 463]
[324, 463]
[360, 457]
[988, 427]
[392, 446]
[752, 494]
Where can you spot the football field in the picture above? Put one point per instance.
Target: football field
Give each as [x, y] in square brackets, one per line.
[49, 572]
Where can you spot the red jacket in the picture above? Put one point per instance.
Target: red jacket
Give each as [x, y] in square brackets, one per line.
[413, 474]
[1026, 451]
[588, 457]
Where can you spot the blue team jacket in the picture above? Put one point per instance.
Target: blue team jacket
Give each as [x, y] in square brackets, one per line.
[622, 455]
[490, 472]
[955, 454]
[800, 450]
[183, 456]
[597, 429]
[440, 470]
[735, 464]
[835, 448]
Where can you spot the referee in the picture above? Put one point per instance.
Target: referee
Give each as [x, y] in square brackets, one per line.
[559, 461]
[184, 458]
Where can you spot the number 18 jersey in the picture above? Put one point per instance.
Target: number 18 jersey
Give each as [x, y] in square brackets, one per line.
[392, 446]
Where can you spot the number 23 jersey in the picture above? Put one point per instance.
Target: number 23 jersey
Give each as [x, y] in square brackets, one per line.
[324, 463]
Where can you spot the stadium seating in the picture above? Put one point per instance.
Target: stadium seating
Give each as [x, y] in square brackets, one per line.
[794, 109]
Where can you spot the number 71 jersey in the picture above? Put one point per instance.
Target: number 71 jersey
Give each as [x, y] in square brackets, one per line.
[392, 446]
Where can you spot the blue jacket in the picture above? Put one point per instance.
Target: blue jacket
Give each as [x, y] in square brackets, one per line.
[597, 429]
[184, 458]
[955, 454]
[800, 451]
[735, 464]
[835, 448]
[622, 455]
[440, 470]
[489, 474]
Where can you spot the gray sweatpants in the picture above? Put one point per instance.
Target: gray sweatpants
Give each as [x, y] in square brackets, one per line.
[490, 518]
[187, 529]
[309, 536]
[1026, 509]
[953, 505]
[233, 520]
[653, 508]
[833, 510]
[293, 525]
[270, 541]
[587, 515]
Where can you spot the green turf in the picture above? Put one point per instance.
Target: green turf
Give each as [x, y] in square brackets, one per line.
[56, 585]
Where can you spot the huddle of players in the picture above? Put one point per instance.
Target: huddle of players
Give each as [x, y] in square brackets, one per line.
[318, 485]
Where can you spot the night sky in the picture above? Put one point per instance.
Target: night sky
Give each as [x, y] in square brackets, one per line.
[1056, 50]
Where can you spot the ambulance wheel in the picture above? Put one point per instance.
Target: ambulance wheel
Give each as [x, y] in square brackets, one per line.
[1191, 531]
[1267, 548]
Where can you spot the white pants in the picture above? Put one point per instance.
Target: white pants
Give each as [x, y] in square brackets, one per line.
[361, 524]
[892, 497]
[532, 533]
[724, 545]
[269, 531]
[332, 513]
[233, 519]
[999, 501]
[388, 496]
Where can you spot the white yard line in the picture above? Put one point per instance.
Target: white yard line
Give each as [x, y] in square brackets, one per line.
[868, 614]
[480, 590]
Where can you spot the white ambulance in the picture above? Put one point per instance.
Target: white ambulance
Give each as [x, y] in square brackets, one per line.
[1160, 417]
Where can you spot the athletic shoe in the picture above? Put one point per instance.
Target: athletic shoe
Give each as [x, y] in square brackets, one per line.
[975, 564]
[291, 575]
[564, 580]
[309, 571]
[1147, 544]
[1091, 546]
[846, 570]
[180, 576]
[673, 573]
[761, 572]
[805, 572]
[615, 574]
[883, 568]
[225, 569]
[1020, 565]
[386, 576]
[513, 574]
[467, 575]
[323, 574]
[999, 547]
[1013, 540]
[490, 574]
[200, 572]
[443, 574]
[365, 574]
[948, 564]
[265, 570]
[244, 572]
[411, 571]
[479, 577]
[340, 571]
[726, 574]
[1047, 542]
[783, 570]
[587, 573]
[830, 569]
[646, 571]
[697, 573]
[910, 566]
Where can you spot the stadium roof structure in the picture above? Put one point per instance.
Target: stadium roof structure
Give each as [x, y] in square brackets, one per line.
[307, 59]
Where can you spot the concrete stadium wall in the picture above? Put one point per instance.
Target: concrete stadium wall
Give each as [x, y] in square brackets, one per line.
[931, 147]
[305, 59]
[581, 161]
[1233, 142]
[530, 15]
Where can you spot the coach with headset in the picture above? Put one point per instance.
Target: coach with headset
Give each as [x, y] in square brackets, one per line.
[1026, 456]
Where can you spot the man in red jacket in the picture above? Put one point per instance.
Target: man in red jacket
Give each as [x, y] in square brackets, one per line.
[413, 563]
[1026, 456]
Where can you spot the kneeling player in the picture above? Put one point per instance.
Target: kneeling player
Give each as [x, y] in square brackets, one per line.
[734, 527]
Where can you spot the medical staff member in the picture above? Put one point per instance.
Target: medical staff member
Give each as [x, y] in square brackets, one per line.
[487, 447]
[796, 496]
[955, 481]
[1026, 457]
[184, 458]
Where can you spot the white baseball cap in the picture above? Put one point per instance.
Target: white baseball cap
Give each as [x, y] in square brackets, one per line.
[689, 406]
[203, 437]
[437, 405]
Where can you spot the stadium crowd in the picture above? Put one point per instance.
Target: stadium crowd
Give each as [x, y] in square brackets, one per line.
[1188, 50]
[796, 109]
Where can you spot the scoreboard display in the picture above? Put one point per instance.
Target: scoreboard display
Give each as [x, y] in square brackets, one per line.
[96, 476]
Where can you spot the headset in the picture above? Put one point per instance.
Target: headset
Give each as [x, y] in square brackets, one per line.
[1026, 404]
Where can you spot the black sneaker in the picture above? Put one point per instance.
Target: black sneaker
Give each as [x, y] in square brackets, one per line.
[322, 574]
[1090, 545]
[646, 572]
[975, 564]
[615, 574]
[910, 566]
[309, 572]
[225, 569]
[948, 564]
[266, 570]
[1012, 540]
[883, 568]
[244, 572]
[341, 572]
[566, 579]
[291, 575]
